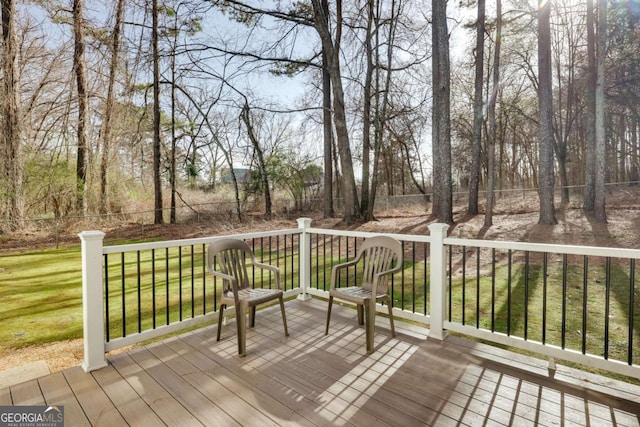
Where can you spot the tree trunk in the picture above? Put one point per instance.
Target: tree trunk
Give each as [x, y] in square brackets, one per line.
[368, 89]
[441, 133]
[11, 179]
[157, 184]
[108, 110]
[545, 166]
[381, 111]
[492, 137]
[478, 108]
[246, 118]
[83, 105]
[328, 132]
[600, 152]
[589, 195]
[172, 165]
[351, 208]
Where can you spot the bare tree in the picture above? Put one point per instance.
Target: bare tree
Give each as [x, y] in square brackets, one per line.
[600, 146]
[331, 47]
[441, 133]
[493, 134]
[478, 111]
[79, 66]
[328, 130]
[108, 109]
[245, 115]
[157, 184]
[546, 176]
[11, 181]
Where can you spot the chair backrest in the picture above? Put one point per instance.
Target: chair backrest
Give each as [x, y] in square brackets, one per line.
[231, 256]
[380, 253]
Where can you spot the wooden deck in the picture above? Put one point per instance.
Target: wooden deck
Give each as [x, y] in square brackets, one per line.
[311, 379]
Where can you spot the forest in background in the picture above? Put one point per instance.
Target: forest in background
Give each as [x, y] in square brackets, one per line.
[111, 107]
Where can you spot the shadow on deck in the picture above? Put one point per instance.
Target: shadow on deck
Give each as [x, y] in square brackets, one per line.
[312, 379]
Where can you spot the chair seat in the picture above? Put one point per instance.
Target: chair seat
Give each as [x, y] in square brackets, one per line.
[356, 294]
[253, 296]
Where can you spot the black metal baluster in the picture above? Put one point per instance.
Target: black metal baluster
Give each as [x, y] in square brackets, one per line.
[106, 297]
[180, 279]
[193, 283]
[545, 267]
[632, 286]
[607, 299]
[585, 281]
[478, 287]
[526, 295]
[124, 310]
[450, 284]
[153, 288]
[402, 290]
[493, 289]
[413, 277]
[139, 292]
[509, 266]
[270, 261]
[564, 301]
[294, 258]
[204, 279]
[166, 273]
[464, 284]
[425, 280]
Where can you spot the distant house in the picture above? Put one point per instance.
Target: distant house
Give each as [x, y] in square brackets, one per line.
[243, 175]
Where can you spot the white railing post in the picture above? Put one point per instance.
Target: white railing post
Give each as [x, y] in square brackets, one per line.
[304, 253]
[438, 284]
[92, 301]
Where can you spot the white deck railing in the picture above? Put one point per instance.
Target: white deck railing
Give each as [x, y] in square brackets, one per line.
[455, 292]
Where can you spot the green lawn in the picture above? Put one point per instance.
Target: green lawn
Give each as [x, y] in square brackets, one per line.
[41, 294]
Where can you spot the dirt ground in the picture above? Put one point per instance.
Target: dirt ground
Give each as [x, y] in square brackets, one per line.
[515, 219]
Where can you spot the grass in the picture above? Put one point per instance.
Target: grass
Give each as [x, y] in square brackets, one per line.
[41, 294]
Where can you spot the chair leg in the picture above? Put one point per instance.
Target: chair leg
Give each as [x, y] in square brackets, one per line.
[252, 316]
[393, 329]
[370, 312]
[326, 331]
[242, 329]
[284, 316]
[360, 310]
[220, 318]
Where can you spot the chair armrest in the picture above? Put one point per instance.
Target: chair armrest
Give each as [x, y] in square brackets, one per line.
[335, 268]
[227, 278]
[274, 269]
[377, 276]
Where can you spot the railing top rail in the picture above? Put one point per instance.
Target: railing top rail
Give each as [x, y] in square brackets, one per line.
[546, 247]
[197, 241]
[365, 234]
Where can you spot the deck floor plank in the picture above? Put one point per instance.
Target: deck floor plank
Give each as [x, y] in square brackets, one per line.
[195, 402]
[283, 391]
[27, 393]
[236, 408]
[132, 407]
[5, 396]
[155, 396]
[312, 379]
[56, 391]
[95, 403]
[199, 356]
